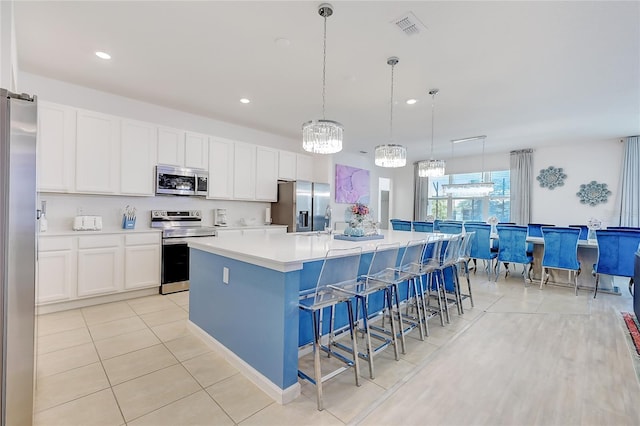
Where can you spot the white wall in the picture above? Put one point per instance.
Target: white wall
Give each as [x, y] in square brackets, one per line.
[8, 52]
[599, 161]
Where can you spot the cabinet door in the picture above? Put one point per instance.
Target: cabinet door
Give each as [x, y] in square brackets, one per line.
[244, 171]
[56, 147]
[99, 271]
[304, 167]
[142, 266]
[138, 152]
[196, 153]
[55, 276]
[171, 146]
[287, 165]
[266, 174]
[220, 168]
[97, 153]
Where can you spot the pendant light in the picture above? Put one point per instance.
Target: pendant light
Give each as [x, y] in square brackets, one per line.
[431, 168]
[323, 136]
[391, 155]
[471, 189]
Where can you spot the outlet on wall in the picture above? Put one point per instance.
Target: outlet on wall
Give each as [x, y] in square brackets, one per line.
[225, 275]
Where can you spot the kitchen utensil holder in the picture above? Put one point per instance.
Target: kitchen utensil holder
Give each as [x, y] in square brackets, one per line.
[128, 223]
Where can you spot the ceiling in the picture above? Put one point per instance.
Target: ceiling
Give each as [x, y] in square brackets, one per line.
[525, 74]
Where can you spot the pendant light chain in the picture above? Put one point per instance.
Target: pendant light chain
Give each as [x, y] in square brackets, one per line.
[433, 107]
[391, 114]
[324, 65]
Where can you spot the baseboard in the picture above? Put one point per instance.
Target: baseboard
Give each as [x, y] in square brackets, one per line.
[281, 396]
[96, 300]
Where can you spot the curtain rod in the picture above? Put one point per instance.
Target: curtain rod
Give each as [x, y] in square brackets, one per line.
[521, 151]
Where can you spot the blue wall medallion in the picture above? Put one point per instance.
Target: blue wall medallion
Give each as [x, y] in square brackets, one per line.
[593, 193]
[551, 177]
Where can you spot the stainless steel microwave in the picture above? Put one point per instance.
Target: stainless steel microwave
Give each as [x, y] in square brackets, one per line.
[172, 180]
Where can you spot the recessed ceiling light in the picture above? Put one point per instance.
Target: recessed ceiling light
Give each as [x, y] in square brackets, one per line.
[411, 101]
[103, 55]
[282, 42]
[244, 101]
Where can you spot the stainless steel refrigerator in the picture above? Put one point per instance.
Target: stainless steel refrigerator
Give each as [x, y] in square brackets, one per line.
[302, 206]
[18, 216]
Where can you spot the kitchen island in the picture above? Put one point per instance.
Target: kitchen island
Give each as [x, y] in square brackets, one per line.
[244, 298]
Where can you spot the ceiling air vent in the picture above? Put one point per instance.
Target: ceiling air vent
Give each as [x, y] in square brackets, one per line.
[409, 24]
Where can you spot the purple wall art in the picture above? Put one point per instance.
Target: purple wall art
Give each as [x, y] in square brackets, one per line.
[352, 185]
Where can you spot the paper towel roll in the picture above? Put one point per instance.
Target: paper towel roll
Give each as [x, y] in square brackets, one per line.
[267, 215]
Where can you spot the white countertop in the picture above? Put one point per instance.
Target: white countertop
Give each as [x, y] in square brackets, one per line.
[111, 231]
[287, 252]
[227, 228]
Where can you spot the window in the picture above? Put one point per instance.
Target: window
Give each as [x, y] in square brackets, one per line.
[434, 202]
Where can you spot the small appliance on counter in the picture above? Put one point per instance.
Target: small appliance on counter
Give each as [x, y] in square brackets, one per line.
[220, 217]
[87, 223]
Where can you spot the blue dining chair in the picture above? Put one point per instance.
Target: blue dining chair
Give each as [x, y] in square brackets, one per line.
[450, 227]
[436, 225]
[560, 252]
[584, 231]
[616, 250]
[481, 245]
[423, 226]
[514, 248]
[622, 228]
[535, 229]
[401, 225]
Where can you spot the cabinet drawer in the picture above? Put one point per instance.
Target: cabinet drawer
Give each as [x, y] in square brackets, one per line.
[55, 243]
[140, 239]
[99, 241]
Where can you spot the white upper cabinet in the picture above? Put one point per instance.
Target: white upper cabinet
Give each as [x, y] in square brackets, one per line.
[304, 167]
[56, 147]
[244, 171]
[287, 165]
[266, 174]
[97, 153]
[138, 152]
[171, 146]
[220, 168]
[196, 153]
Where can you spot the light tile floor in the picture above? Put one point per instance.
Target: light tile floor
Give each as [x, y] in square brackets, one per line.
[135, 362]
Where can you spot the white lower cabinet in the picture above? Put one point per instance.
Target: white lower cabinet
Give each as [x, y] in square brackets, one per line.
[142, 261]
[71, 268]
[56, 270]
[99, 264]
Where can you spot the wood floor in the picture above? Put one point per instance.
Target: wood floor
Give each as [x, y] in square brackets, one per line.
[531, 357]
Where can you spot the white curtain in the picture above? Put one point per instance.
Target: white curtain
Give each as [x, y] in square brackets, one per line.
[420, 198]
[630, 183]
[521, 185]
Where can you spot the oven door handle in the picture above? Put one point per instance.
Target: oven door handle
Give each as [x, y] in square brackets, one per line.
[173, 242]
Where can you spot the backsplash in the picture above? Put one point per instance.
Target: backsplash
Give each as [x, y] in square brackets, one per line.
[62, 208]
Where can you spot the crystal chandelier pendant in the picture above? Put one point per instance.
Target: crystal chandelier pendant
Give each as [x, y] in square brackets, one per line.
[323, 136]
[431, 168]
[475, 189]
[391, 155]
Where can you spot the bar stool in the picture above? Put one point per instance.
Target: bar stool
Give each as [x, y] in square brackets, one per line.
[340, 267]
[448, 262]
[464, 257]
[429, 280]
[560, 252]
[364, 289]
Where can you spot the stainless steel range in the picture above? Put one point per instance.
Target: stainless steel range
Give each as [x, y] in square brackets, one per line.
[177, 226]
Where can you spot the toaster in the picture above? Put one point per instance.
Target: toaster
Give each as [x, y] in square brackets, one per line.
[87, 223]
